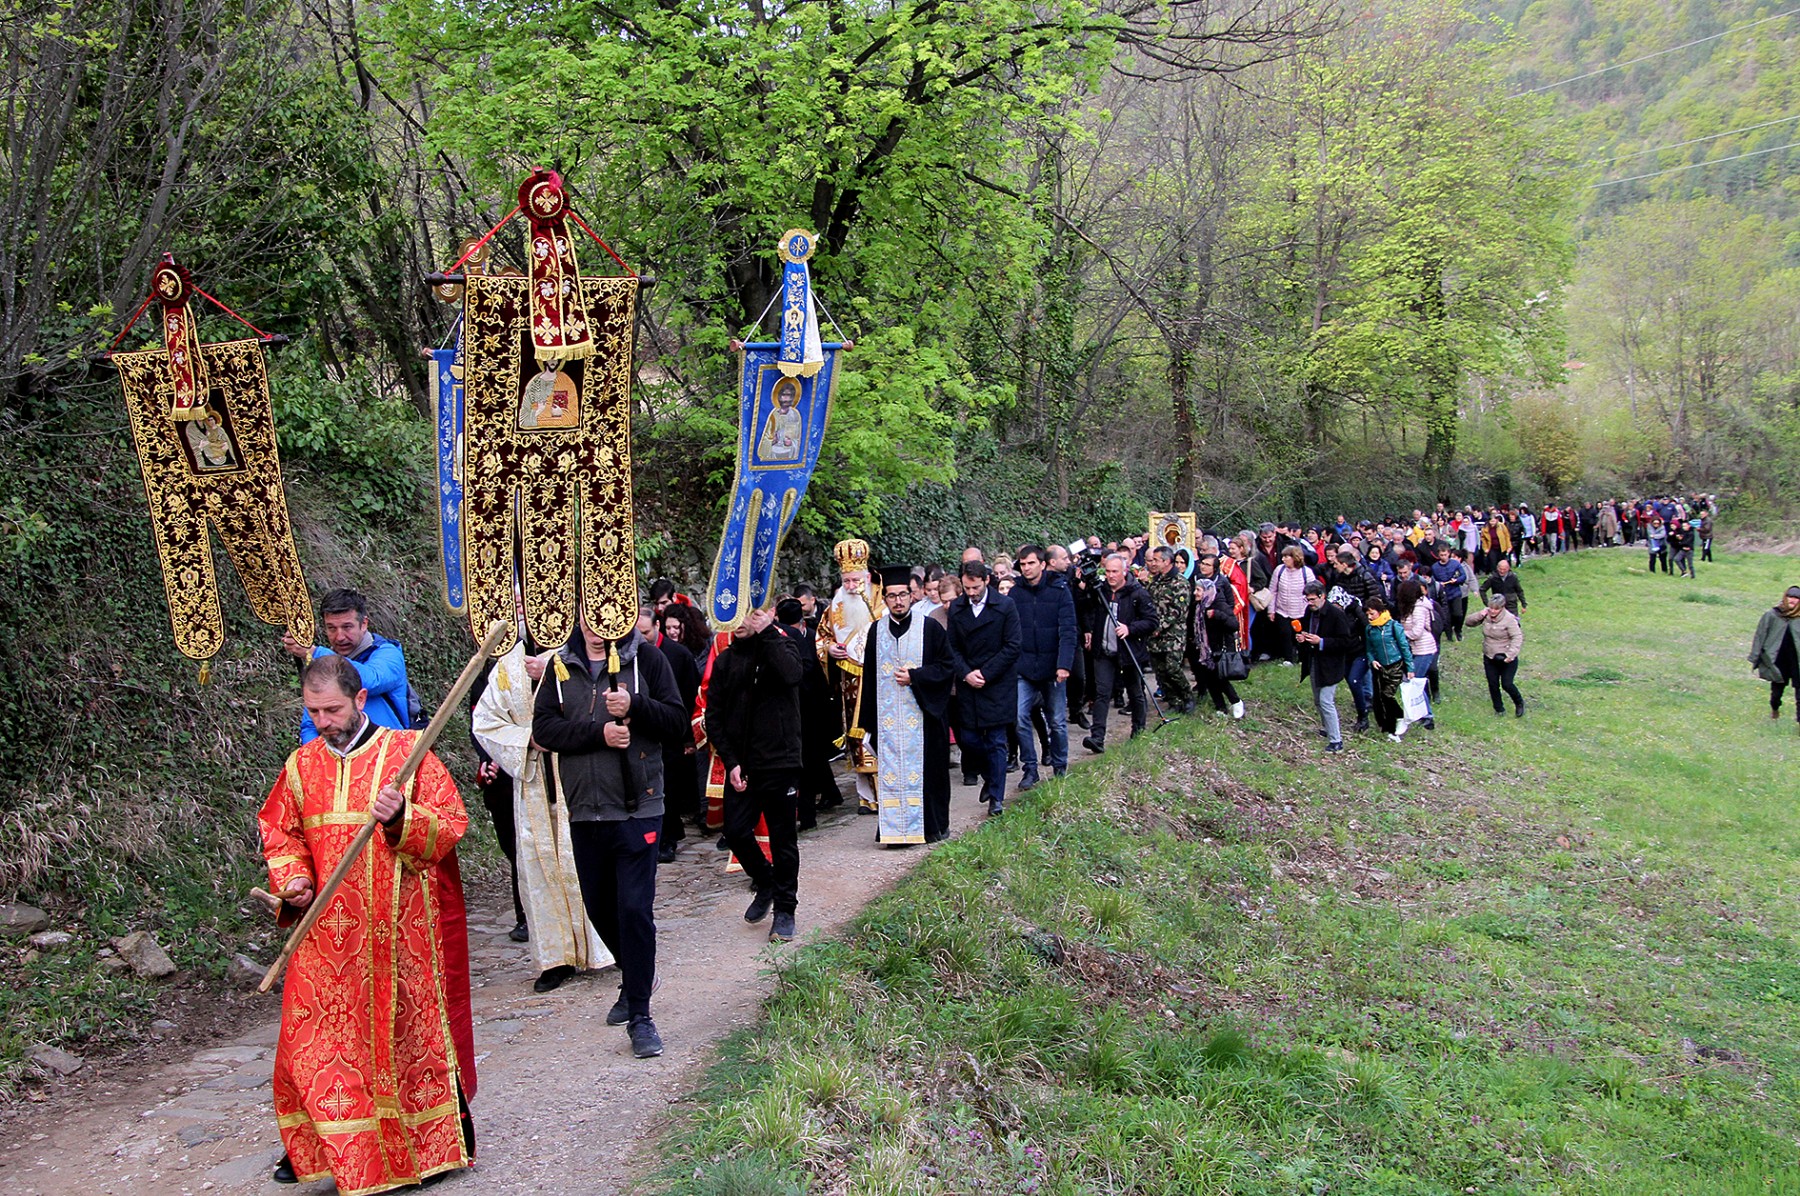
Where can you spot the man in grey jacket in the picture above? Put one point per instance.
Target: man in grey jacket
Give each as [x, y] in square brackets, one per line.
[604, 714]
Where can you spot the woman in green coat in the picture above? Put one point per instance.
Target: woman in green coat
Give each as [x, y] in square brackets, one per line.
[1390, 658]
[1775, 652]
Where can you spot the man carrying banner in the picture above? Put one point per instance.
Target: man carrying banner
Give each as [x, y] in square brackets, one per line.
[753, 721]
[907, 673]
[375, 1064]
[605, 713]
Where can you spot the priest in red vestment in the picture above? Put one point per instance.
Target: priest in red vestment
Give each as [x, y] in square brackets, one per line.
[375, 1065]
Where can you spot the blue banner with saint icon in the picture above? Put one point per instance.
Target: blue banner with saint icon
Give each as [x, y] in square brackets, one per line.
[784, 402]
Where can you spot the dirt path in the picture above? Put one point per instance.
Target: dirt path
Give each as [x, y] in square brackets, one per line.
[560, 1093]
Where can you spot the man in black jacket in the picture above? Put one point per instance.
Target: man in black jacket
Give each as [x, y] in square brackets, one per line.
[1121, 627]
[1047, 651]
[605, 715]
[1504, 582]
[1350, 586]
[985, 641]
[818, 788]
[1328, 642]
[753, 723]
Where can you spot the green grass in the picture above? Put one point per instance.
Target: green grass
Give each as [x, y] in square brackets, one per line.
[1551, 955]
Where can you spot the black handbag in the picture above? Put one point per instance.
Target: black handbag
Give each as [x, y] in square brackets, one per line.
[1231, 664]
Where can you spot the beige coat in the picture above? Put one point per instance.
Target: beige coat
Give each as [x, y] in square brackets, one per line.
[1501, 635]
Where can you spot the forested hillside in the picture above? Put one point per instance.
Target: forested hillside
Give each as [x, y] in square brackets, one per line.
[1684, 316]
[1253, 258]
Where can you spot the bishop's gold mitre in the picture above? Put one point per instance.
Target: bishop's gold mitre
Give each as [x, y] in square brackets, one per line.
[852, 556]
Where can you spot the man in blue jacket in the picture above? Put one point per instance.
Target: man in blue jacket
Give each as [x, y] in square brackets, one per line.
[1046, 655]
[345, 614]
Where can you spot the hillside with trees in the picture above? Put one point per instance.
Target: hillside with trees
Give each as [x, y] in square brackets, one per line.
[1255, 258]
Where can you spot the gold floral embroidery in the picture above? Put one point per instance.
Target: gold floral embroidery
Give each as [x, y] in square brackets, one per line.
[565, 492]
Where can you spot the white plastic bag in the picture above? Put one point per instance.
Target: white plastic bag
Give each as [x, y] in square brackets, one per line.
[1413, 701]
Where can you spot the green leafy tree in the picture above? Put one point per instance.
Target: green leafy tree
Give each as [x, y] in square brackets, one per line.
[1428, 216]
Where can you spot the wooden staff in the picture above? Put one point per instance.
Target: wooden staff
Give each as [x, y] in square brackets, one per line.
[422, 745]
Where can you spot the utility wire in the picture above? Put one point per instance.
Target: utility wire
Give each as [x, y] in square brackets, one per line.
[1692, 165]
[1658, 54]
[1709, 137]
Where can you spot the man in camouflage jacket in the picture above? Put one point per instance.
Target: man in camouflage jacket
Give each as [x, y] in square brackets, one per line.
[1173, 596]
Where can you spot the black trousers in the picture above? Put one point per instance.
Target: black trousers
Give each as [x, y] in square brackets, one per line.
[497, 796]
[1223, 693]
[1500, 674]
[616, 864]
[1388, 711]
[1276, 637]
[1111, 673]
[681, 793]
[768, 793]
[1079, 689]
[1777, 688]
[1454, 616]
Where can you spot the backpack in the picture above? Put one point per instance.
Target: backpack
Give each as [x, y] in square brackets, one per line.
[1440, 617]
[414, 716]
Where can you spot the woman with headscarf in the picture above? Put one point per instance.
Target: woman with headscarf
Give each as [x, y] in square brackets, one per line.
[1215, 624]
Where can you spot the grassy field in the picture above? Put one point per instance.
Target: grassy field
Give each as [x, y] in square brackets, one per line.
[1552, 955]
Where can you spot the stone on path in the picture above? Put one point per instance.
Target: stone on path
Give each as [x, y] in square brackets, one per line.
[145, 955]
[54, 1059]
[244, 972]
[50, 940]
[21, 920]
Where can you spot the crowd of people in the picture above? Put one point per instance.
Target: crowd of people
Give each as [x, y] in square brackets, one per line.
[598, 758]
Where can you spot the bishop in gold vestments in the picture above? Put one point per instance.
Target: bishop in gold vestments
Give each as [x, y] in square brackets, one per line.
[375, 1063]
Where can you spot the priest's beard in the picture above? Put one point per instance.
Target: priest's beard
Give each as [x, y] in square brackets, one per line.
[342, 738]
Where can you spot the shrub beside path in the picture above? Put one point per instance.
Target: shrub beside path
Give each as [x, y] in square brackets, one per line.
[560, 1095]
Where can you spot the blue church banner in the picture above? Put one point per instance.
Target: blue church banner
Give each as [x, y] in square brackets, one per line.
[447, 364]
[784, 402]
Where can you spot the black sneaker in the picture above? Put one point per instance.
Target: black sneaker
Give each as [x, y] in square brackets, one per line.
[1362, 723]
[782, 929]
[759, 906]
[1334, 747]
[1091, 745]
[284, 1172]
[620, 1013]
[520, 933]
[1028, 782]
[646, 1043]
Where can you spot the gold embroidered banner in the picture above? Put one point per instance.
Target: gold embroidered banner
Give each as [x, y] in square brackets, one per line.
[547, 463]
[217, 468]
